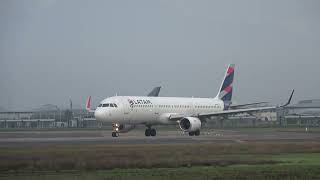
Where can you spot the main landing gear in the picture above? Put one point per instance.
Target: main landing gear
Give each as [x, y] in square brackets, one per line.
[150, 131]
[194, 133]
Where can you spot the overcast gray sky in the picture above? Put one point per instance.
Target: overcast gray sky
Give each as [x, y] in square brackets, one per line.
[51, 50]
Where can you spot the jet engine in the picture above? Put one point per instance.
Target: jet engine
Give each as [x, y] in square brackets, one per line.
[123, 128]
[190, 124]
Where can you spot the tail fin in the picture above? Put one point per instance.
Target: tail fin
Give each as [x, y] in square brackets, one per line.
[88, 104]
[155, 92]
[225, 92]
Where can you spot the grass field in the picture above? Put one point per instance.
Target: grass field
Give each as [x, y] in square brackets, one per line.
[294, 166]
[191, 161]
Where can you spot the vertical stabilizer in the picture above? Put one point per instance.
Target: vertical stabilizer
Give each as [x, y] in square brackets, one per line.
[155, 92]
[88, 104]
[225, 91]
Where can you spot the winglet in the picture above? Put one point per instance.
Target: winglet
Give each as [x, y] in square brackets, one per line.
[289, 100]
[88, 104]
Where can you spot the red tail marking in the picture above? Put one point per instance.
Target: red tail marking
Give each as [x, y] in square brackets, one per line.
[88, 104]
[228, 89]
[230, 70]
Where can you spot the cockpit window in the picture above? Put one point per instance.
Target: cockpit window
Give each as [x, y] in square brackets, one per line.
[108, 105]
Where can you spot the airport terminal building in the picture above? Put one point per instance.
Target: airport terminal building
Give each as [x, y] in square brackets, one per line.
[47, 119]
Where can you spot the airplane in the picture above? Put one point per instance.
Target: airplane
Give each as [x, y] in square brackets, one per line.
[125, 112]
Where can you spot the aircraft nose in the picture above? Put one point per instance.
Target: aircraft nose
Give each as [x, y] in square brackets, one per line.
[99, 114]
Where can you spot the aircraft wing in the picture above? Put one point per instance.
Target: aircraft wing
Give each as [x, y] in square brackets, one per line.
[237, 111]
[175, 117]
[233, 111]
[244, 105]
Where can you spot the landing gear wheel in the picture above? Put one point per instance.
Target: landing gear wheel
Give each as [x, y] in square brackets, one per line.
[153, 132]
[147, 132]
[115, 134]
[191, 133]
[197, 133]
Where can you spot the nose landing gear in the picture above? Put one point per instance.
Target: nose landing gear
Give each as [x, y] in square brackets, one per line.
[115, 134]
[115, 130]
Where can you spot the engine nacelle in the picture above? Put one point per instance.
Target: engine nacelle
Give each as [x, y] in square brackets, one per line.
[190, 124]
[122, 128]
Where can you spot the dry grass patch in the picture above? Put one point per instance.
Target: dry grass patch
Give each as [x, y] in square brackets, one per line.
[87, 157]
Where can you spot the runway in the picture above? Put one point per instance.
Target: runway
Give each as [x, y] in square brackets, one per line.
[163, 137]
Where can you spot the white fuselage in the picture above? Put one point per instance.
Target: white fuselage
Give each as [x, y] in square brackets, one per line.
[153, 110]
